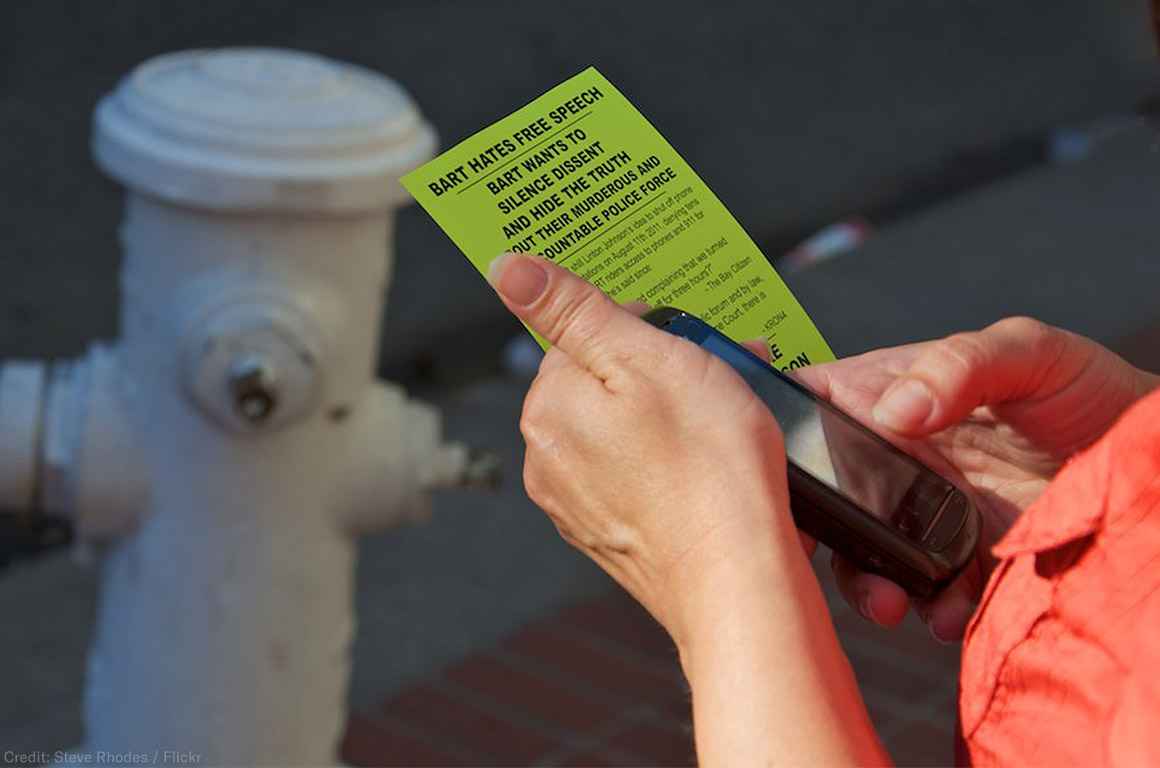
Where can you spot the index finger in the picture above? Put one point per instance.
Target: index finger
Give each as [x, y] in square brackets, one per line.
[571, 313]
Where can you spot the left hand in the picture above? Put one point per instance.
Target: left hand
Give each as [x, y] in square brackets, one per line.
[651, 456]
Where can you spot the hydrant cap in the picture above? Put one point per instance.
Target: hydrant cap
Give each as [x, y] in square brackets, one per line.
[261, 129]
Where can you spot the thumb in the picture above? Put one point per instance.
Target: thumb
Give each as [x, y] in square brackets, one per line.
[573, 315]
[1006, 361]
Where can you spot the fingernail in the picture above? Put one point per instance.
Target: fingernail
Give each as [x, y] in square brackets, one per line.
[939, 637]
[864, 608]
[519, 279]
[904, 406]
[948, 623]
[926, 615]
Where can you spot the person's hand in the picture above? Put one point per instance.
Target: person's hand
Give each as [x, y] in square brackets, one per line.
[1000, 408]
[651, 456]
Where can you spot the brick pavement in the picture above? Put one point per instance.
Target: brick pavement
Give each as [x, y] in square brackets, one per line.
[597, 683]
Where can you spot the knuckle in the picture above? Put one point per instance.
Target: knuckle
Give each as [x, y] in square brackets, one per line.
[553, 359]
[1020, 326]
[567, 535]
[1042, 341]
[758, 419]
[682, 354]
[527, 426]
[532, 483]
[963, 353]
[612, 539]
[680, 361]
[576, 315]
[531, 421]
[759, 347]
[624, 358]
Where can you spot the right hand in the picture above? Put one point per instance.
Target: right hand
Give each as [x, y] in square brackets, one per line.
[1001, 409]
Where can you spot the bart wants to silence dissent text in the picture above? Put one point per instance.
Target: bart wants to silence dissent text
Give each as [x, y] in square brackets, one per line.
[549, 192]
[580, 177]
[527, 135]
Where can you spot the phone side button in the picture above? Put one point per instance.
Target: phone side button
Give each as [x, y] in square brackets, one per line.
[953, 513]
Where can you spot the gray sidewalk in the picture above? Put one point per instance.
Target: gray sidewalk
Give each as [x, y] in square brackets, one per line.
[1072, 244]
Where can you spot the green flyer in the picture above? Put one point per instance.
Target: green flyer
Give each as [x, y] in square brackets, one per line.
[582, 178]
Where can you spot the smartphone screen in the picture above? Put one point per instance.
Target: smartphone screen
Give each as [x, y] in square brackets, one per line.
[840, 453]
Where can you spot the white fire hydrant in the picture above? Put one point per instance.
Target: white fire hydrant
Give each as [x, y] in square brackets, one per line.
[230, 446]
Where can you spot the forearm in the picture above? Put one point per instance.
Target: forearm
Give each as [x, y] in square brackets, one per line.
[771, 685]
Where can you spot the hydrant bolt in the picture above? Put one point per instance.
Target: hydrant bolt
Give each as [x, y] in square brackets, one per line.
[254, 386]
[255, 363]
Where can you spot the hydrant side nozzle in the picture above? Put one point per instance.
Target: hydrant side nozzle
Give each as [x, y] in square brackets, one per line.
[22, 403]
[460, 466]
[449, 464]
[25, 528]
[68, 457]
[23, 536]
[107, 481]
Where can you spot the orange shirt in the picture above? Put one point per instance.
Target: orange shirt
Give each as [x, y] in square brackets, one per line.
[1061, 664]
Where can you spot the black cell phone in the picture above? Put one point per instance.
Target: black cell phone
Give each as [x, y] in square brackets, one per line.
[849, 488]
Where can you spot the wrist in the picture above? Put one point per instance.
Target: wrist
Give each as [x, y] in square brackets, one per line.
[730, 579]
